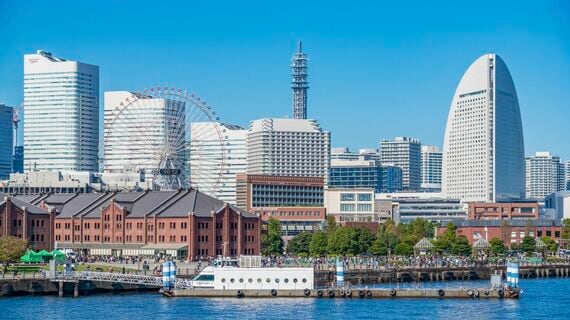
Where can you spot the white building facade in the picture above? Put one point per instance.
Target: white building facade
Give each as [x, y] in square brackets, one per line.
[544, 175]
[6, 141]
[61, 114]
[405, 153]
[288, 147]
[353, 204]
[431, 168]
[483, 150]
[218, 181]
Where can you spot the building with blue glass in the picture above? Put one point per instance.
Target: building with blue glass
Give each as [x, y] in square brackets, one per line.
[6, 141]
[365, 174]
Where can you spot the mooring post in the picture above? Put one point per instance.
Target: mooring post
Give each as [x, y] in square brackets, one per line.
[76, 289]
[60, 289]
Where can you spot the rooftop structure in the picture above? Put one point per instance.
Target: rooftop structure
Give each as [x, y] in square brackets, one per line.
[299, 83]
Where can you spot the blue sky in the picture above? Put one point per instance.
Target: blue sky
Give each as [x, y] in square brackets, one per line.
[377, 70]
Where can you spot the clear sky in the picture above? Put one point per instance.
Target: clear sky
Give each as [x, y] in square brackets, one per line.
[377, 70]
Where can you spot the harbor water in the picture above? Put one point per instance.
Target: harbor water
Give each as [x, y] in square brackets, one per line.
[542, 299]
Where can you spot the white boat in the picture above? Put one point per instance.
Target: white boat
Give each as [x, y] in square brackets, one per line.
[247, 273]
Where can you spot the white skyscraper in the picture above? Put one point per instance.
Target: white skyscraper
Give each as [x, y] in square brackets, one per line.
[133, 139]
[205, 146]
[544, 175]
[483, 150]
[431, 168]
[61, 114]
[288, 147]
[6, 141]
[405, 153]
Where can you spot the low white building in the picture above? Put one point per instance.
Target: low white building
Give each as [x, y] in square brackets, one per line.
[354, 205]
[426, 205]
[558, 205]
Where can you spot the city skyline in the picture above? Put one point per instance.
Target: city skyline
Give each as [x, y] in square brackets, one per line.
[369, 83]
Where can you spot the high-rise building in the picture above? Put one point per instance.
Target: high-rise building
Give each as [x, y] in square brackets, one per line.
[6, 141]
[218, 181]
[544, 175]
[483, 150]
[431, 168]
[18, 163]
[288, 147]
[567, 174]
[299, 83]
[405, 153]
[130, 141]
[343, 153]
[365, 174]
[61, 112]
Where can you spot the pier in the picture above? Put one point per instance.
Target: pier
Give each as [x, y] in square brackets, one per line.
[456, 293]
[420, 274]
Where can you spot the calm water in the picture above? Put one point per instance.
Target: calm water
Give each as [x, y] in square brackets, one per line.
[542, 299]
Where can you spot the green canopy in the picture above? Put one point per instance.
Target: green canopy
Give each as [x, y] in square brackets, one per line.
[45, 253]
[58, 255]
[31, 257]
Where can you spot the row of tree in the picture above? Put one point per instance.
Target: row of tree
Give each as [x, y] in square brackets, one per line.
[390, 239]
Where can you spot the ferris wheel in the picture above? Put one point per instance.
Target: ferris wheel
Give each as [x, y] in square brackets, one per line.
[169, 135]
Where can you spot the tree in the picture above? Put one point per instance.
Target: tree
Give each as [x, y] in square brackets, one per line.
[528, 244]
[461, 246]
[497, 246]
[404, 249]
[444, 242]
[550, 243]
[274, 244]
[385, 242]
[299, 245]
[11, 249]
[566, 228]
[342, 241]
[318, 244]
[364, 239]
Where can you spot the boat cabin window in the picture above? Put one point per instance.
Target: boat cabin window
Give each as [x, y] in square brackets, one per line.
[276, 280]
[223, 280]
[286, 280]
[258, 280]
[250, 280]
[241, 280]
[295, 280]
[206, 277]
[232, 280]
[304, 280]
[268, 280]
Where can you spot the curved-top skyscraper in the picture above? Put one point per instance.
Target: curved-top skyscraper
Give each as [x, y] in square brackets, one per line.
[483, 150]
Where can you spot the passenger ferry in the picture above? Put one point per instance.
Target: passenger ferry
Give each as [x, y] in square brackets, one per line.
[247, 273]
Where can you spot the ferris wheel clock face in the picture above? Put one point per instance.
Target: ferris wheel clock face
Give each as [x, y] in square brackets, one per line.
[169, 135]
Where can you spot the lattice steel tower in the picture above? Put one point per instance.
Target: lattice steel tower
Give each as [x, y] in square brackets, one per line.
[299, 83]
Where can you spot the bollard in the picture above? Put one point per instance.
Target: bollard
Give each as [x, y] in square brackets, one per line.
[76, 289]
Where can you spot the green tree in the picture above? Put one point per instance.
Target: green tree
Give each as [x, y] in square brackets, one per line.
[550, 243]
[365, 238]
[299, 245]
[404, 249]
[318, 244]
[330, 224]
[11, 250]
[444, 242]
[274, 242]
[565, 229]
[384, 244]
[342, 241]
[461, 246]
[528, 244]
[497, 246]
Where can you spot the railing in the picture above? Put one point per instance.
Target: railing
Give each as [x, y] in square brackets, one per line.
[135, 279]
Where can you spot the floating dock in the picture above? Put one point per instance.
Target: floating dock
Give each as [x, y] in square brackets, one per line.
[452, 293]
